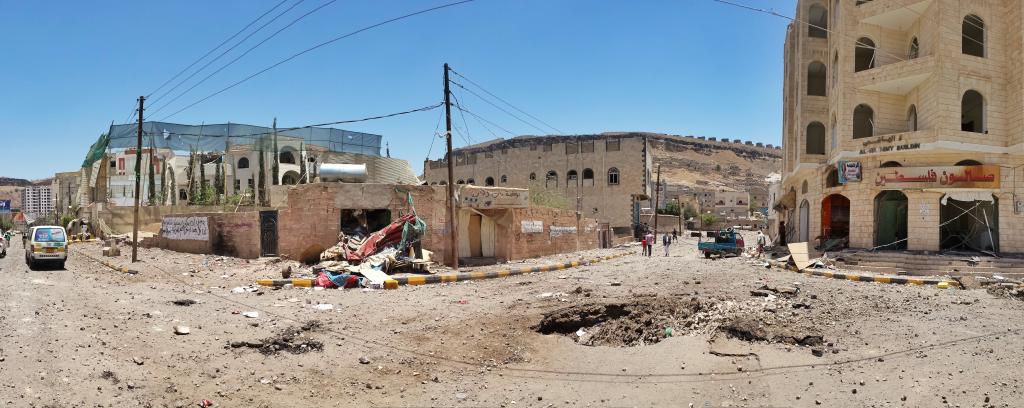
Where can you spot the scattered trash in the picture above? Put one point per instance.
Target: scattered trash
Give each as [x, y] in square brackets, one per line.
[462, 302]
[183, 302]
[668, 331]
[243, 289]
[324, 307]
[364, 360]
[581, 333]
[251, 314]
[615, 283]
[181, 330]
[205, 403]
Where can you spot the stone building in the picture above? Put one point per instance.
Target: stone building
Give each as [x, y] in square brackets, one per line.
[64, 188]
[903, 125]
[610, 172]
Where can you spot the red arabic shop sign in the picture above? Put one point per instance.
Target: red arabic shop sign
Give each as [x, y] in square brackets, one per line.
[939, 177]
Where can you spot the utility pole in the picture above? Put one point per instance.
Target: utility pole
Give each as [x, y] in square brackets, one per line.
[452, 231]
[657, 196]
[138, 185]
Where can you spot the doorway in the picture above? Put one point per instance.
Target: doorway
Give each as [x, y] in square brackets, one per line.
[479, 235]
[268, 233]
[969, 225]
[805, 215]
[891, 220]
[835, 217]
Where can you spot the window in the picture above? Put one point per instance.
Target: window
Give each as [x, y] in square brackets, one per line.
[504, 179]
[470, 181]
[815, 138]
[588, 177]
[113, 164]
[471, 159]
[572, 178]
[442, 183]
[547, 147]
[587, 147]
[571, 148]
[461, 181]
[972, 112]
[489, 181]
[488, 155]
[612, 145]
[915, 49]
[613, 176]
[533, 176]
[863, 121]
[891, 164]
[182, 195]
[238, 185]
[912, 119]
[551, 179]
[864, 55]
[968, 162]
[818, 18]
[973, 39]
[816, 78]
[286, 158]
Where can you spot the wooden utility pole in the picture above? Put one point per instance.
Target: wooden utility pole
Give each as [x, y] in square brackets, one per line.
[657, 196]
[452, 231]
[138, 185]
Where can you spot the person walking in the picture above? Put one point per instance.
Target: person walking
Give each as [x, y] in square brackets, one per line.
[675, 235]
[643, 246]
[761, 241]
[650, 242]
[666, 241]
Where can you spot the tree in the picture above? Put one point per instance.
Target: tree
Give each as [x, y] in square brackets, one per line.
[151, 197]
[261, 182]
[302, 164]
[671, 208]
[689, 211]
[218, 183]
[708, 220]
[203, 184]
[163, 182]
[173, 190]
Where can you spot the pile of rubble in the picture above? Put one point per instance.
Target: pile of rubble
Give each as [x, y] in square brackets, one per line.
[366, 261]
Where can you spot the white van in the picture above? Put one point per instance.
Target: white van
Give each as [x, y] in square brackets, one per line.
[46, 244]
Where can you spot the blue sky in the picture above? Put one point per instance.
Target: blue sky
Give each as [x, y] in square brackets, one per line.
[683, 67]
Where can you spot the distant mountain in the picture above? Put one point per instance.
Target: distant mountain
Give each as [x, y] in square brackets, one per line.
[8, 181]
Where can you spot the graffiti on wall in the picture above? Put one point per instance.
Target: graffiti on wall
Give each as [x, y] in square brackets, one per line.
[532, 226]
[559, 231]
[185, 228]
[492, 197]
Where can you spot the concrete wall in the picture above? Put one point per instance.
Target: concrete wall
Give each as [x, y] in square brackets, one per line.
[529, 245]
[119, 219]
[230, 234]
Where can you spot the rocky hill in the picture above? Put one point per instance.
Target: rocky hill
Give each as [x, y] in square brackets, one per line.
[709, 164]
[16, 182]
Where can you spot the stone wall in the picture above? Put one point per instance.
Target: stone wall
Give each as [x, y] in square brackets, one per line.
[524, 245]
[230, 234]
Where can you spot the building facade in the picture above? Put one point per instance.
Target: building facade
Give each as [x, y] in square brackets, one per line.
[37, 201]
[903, 125]
[610, 173]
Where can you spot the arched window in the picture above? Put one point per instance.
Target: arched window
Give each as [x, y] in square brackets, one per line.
[504, 179]
[588, 177]
[835, 133]
[572, 178]
[243, 163]
[489, 181]
[443, 183]
[891, 164]
[551, 179]
[815, 138]
[864, 55]
[613, 176]
[286, 157]
[915, 49]
[863, 121]
[835, 68]
[912, 118]
[972, 112]
[972, 42]
[803, 187]
[818, 19]
[968, 162]
[470, 181]
[460, 182]
[533, 176]
[816, 78]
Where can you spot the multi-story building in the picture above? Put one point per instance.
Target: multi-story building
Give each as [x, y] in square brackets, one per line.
[610, 173]
[36, 201]
[64, 188]
[904, 124]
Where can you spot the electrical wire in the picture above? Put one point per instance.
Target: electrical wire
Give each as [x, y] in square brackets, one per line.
[506, 102]
[317, 46]
[215, 48]
[542, 131]
[240, 56]
[484, 119]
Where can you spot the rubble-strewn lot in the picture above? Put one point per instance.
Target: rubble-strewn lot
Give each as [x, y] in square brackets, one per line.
[633, 331]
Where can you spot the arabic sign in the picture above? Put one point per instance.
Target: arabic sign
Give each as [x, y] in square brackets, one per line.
[558, 231]
[532, 226]
[5, 206]
[849, 171]
[185, 228]
[869, 147]
[493, 197]
[939, 177]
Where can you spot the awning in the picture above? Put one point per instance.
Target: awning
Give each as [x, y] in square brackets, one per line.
[787, 201]
[964, 194]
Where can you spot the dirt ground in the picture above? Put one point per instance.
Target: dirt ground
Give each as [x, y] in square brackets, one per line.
[630, 332]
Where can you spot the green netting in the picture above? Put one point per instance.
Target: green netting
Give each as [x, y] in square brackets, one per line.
[96, 150]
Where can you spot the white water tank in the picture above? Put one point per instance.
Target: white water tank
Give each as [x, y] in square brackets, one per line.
[348, 173]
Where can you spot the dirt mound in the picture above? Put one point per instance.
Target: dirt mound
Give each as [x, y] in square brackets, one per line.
[652, 319]
[292, 340]
[1007, 290]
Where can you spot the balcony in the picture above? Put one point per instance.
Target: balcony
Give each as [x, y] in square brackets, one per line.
[897, 78]
[897, 15]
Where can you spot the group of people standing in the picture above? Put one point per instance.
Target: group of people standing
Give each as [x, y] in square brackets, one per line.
[647, 242]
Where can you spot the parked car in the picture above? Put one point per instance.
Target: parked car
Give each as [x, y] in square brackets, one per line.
[727, 242]
[46, 244]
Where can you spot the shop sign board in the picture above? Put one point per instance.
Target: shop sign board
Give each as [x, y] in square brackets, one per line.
[982, 176]
[849, 171]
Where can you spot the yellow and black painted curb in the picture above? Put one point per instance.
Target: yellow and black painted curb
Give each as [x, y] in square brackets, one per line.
[897, 280]
[110, 265]
[394, 283]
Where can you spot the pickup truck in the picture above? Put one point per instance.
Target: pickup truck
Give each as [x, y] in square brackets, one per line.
[725, 242]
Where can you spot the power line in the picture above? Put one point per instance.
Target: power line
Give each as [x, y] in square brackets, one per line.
[208, 63]
[245, 53]
[217, 47]
[459, 107]
[507, 102]
[464, 124]
[542, 131]
[325, 43]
